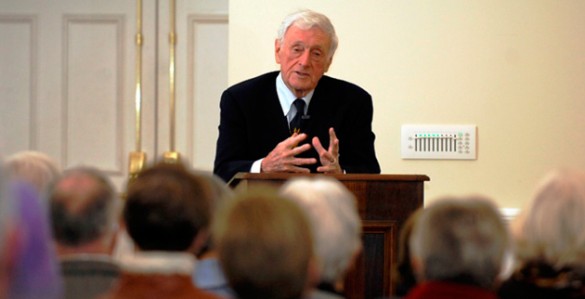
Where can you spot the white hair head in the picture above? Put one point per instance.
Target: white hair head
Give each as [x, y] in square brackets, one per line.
[553, 225]
[33, 167]
[307, 19]
[460, 238]
[334, 218]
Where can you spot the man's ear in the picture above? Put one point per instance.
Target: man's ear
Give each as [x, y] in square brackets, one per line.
[111, 238]
[277, 48]
[354, 258]
[199, 241]
[328, 64]
[314, 273]
[417, 268]
[123, 241]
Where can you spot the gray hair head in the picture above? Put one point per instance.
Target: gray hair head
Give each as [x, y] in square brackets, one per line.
[460, 239]
[553, 225]
[307, 19]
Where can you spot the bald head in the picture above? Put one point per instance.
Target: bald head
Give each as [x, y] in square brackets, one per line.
[83, 206]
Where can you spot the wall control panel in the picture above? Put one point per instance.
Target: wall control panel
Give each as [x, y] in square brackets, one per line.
[439, 142]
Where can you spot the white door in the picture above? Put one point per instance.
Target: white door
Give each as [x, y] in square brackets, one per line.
[67, 80]
[201, 76]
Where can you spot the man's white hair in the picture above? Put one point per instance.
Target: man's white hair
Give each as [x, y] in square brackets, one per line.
[307, 19]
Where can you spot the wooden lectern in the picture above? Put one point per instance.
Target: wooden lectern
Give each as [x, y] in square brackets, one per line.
[385, 201]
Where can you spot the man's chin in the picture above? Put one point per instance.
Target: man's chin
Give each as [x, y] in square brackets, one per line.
[303, 86]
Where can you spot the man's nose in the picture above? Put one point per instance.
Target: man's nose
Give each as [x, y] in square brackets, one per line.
[305, 58]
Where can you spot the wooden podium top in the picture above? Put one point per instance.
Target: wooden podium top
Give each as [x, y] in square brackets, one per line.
[240, 176]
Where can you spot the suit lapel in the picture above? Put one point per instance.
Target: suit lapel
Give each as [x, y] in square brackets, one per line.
[269, 116]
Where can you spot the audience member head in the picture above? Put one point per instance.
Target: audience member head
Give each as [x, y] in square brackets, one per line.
[553, 227]
[84, 211]
[33, 167]
[167, 207]
[335, 222]
[462, 240]
[265, 246]
[221, 193]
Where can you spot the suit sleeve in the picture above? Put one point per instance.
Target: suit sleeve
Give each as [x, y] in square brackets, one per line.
[231, 149]
[357, 152]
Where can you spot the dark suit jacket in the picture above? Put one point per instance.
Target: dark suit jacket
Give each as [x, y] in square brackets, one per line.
[252, 123]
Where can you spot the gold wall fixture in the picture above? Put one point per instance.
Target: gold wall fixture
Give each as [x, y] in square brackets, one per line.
[172, 156]
[137, 158]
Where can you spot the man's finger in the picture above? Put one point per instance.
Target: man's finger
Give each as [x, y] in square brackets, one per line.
[304, 161]
[300, 149]
[318, 146]
[296, 139]
[333, 143]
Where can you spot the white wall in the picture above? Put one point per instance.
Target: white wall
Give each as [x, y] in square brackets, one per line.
[516, 69]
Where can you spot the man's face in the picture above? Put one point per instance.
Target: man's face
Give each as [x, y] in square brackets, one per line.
[303, 57]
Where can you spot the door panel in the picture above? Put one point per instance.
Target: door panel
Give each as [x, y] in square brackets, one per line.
[67, 80]
[201, 76]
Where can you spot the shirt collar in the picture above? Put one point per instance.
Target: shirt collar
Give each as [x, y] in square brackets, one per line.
[159, 262]
[286, 97]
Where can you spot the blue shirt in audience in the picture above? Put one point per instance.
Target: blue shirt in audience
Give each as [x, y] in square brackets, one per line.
[209, 277]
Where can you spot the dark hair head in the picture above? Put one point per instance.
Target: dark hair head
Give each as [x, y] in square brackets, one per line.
[166, 207]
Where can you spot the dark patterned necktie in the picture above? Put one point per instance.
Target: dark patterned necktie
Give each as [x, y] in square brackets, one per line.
[295, 123]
